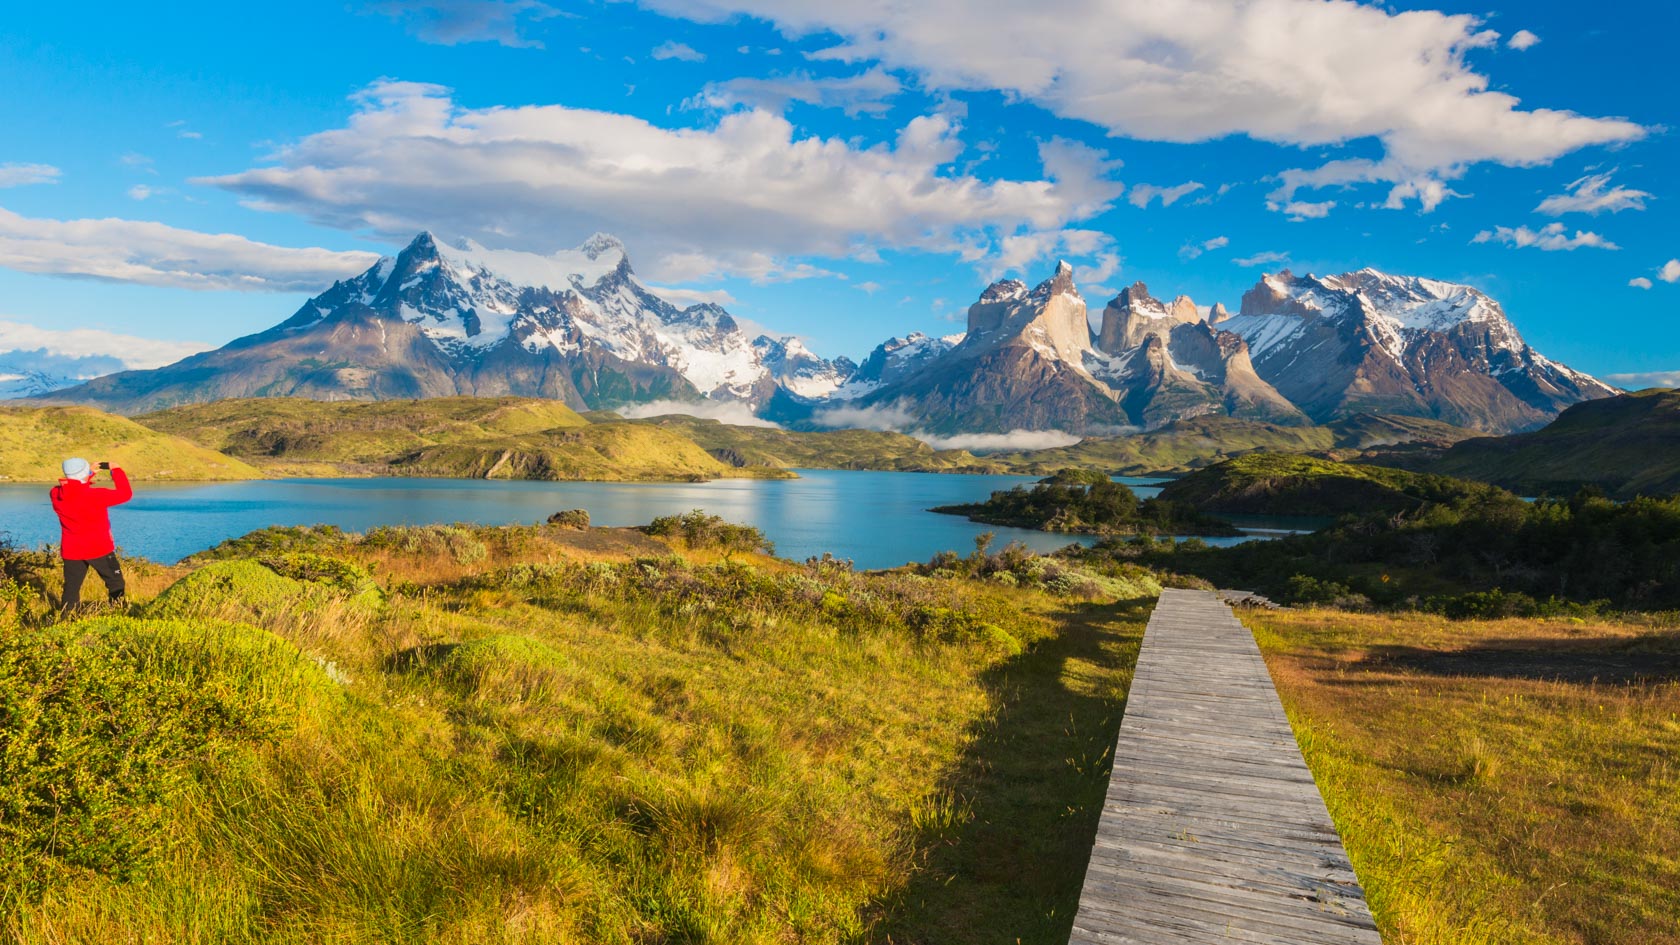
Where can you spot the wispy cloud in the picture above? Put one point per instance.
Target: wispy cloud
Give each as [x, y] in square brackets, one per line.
[155, 254]
[1593, 194]
[85, 344]
[1190, 251]
[1646, 379]
[1142, 194]
[1550, 238]
[452, 22]
[868, 92]
[1301, 210]
[1262, 259]
[1640, 282]
[19, 175]
[682, 52]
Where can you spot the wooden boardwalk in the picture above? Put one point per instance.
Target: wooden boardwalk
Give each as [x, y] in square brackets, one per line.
[1213, 830]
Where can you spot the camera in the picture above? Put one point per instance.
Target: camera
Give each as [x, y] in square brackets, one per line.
[104, 465]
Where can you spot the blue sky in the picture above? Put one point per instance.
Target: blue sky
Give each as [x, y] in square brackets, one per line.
[193, 171]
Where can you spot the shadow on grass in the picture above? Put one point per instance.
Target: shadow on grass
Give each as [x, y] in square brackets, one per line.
[1034, 779]
[1651, 657]
[417, 657]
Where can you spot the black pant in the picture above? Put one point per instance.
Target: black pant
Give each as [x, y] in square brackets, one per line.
[75, 572]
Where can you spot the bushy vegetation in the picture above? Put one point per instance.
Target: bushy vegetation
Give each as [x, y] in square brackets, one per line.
[1488, 554]
[699, 530]
[1283, 484]
[1088, 502]
[546, 735]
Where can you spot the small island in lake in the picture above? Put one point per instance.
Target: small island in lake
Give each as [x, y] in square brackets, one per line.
[1088, 502]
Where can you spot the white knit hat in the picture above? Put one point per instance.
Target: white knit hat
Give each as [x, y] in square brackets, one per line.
[77, 468]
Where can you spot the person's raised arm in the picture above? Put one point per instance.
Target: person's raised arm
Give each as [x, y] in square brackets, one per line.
[120, 490]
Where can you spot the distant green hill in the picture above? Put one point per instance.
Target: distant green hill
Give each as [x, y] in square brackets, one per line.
[825, 449]
[1279, 484]
[455, 437]
[1627, 446]
[34, 440]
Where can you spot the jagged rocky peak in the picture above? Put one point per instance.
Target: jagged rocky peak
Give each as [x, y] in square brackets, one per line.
[1050, 319]
[1218, 313]
[1134, 315]
[1060, 283]
[1001, 290]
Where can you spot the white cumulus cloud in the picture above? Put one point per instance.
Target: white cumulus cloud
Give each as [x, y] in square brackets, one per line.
[1593, 194]
[1551, 238]
[740, 197]
[1670, 271]
[17, 175]
[1639, 282]
[155, 254]
[1522, 39]
[1295, 72]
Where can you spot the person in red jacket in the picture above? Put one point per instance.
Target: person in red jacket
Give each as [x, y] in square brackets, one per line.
[84, 516]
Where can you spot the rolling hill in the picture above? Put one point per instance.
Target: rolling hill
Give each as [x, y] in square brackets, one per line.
[34, 440]
[1627, 446]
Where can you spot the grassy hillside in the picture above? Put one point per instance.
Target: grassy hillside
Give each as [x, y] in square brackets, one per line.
[1627, 446]
[1176, 447]
[1281, 484]
[34, 440]
[462, 735]
[462, 437]
[1494, 781]
[826, 449]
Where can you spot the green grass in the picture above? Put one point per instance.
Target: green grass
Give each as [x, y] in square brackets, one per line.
[1494, 782]
[540, 734]
[824, 449]
[34, 440]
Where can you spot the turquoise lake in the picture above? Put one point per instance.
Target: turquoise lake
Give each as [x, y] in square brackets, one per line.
[877, 519]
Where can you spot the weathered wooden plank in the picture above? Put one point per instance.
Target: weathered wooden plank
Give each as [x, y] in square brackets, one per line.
[1213, 829]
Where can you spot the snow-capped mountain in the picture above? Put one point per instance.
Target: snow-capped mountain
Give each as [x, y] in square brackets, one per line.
[578, 326]
[1029, 360]
[1168, 362]
[1371, 342]
[442, 320]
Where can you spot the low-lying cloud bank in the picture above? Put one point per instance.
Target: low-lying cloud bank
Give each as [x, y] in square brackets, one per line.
[1645, 380]
[731, 412]
[896, 418]
[998, 442]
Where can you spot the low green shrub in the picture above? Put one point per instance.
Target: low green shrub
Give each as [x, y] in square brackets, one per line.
[102, 719]
[234, 589]
[697, 529]
[345, 576]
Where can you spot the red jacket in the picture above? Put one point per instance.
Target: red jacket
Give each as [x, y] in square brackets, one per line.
[82, 513]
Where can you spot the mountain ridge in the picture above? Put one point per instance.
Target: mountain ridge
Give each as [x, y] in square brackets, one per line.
[577, 326]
